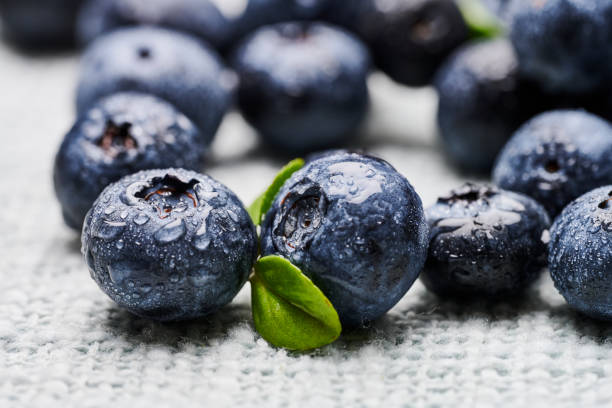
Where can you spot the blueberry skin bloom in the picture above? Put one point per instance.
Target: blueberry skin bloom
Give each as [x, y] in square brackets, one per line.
[172, 66]
[169, 244]
[580, 254]
[484, 242]
[312, 93]
[200, 18]
[409, 39]
[556, 157]
[39, 24]
[482, 102]
[564, 45]
[120, 135]
[356, 227]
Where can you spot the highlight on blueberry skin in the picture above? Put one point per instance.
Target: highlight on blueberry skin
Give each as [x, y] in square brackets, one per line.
[170, 65]
[580, 254]
[169, 244]
[564, 45]
[312, 94]
[353, 225]
[482, 101]
[556, 157]
[484, 243]
[120, 135]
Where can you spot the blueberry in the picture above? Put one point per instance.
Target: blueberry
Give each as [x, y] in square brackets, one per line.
[356, 227]
[39, 24]
[580, 255]
[484, 242]
[482, 102]
[200, 18]
[169, 244]
[409, 39]
[312, 93]
[118, 136]
[172, 66]
[556, 157]
[245, 16]
[564, 45]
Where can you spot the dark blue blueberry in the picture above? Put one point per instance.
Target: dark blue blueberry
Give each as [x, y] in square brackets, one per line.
[201, 18]
[172, 66]
[409, 39]
[120, 135]
[356, 227]
[169, 244]
[220, 22]
[564, 45]
[556, 157]
[482, 102]
[245, 16]
[580, 253]
[485, 242]
[312, 93]
[39, 24]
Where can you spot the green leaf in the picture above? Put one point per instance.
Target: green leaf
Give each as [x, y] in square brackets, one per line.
[481, 22]
[289, 311]
[262, 204]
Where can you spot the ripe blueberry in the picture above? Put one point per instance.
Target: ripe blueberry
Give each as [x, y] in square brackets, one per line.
[556, 157]
[169, 244]
[39, 24]
[580, 254]
[564, 45]
[484, 242]
[118, 136]
[482, 102]
[409, 39]
[200, 18]
[312, 94]
[356, 227]
[172, 66]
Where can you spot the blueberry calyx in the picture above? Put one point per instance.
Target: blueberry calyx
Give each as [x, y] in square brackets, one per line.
[606, 204]
[117, 139]
[303, 214]
[469, 192]
[168, 194]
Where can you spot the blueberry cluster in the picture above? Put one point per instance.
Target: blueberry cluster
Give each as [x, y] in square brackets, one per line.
[169, 243]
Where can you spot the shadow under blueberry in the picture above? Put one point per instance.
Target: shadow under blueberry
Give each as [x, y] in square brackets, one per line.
[427, 310]
[175, 335]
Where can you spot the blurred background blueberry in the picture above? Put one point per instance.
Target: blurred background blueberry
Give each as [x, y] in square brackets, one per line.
[173, 66]
[408, 39]
[40, 24]
[312, 93]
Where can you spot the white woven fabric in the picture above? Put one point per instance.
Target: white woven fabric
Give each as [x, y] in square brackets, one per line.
[63, 343]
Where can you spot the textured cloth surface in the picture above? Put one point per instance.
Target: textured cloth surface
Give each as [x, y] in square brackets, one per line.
[63, 343]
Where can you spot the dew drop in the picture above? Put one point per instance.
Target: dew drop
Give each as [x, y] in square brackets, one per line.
[170, 232]
[108, 229]
[202, 243]
[120, 244]
[141, 219]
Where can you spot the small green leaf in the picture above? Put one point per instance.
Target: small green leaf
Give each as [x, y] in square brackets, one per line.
[481, 22]
[262, 204]
[289, 311]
